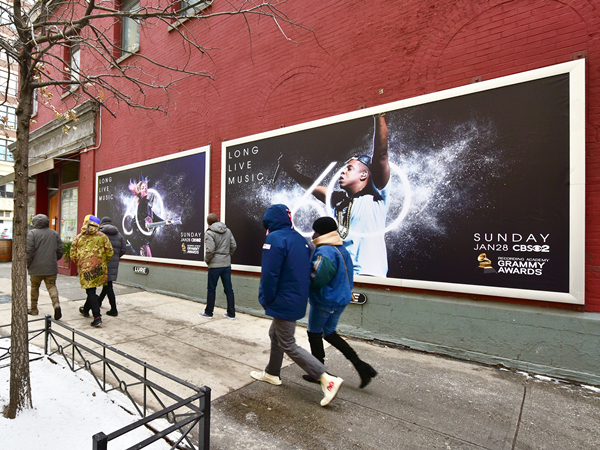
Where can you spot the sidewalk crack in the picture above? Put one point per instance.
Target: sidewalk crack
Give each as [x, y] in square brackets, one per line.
[514, 443]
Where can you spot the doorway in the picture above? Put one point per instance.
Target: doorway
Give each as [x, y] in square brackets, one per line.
[53, 210]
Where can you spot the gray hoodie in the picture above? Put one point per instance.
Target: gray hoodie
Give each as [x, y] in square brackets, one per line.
[44, 248]
[219, 245]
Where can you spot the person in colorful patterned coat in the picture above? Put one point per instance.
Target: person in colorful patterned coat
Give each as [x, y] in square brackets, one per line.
[91, 251]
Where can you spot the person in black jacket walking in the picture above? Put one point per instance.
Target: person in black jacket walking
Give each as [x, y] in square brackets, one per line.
[44, 249]
[119, 246]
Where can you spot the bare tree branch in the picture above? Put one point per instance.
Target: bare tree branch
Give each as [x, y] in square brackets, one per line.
[42, 39]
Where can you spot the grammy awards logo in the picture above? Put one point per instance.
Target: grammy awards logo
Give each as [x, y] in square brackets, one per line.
[183, 248]
[485, 264]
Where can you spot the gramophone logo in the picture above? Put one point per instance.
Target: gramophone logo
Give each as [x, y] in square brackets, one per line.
[485, 264]
[183, 249]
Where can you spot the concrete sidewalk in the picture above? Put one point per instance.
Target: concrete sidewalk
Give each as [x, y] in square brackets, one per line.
[418, 401]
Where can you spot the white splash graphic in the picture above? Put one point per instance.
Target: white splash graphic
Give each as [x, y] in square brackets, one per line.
[430, 184]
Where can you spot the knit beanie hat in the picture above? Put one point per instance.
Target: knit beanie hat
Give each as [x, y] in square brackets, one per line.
[324, 225]
[105, 219]
[91, 219]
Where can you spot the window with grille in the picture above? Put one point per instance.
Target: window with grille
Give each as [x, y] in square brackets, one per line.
[189, 8]
[130, 28]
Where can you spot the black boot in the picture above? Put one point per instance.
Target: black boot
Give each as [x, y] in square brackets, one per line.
[316, 348]
[365, 371]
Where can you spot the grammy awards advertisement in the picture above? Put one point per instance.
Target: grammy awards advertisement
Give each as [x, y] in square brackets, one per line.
[159, 206]
[477, 189]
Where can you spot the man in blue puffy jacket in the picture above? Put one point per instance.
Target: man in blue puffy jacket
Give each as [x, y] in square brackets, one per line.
[284, 285]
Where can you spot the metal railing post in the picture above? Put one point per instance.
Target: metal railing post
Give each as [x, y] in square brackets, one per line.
[145, 387]
[47, 326]
[205, 403]
[104, 369]
[99, 441]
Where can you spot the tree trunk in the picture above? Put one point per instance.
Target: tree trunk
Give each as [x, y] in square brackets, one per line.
[20, 383]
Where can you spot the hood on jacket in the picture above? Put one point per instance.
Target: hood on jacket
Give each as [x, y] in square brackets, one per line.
[218, 227]
[277, 217]
[40, 221]
[107, 228]
[91, 224]
[332, 238]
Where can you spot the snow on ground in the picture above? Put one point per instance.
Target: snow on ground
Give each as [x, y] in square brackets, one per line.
[68, 409]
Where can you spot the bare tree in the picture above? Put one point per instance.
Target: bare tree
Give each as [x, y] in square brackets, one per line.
[41, 32]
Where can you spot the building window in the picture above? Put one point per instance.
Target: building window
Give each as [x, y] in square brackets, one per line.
[5, 154]
[12, 82]
[74, 64]
[34, 109]
[69, 172]
[30, 211]
[68, 214]
[31, 185]
[6, 190]
[8, 117]
[130, 28]
[6, 19]
[189, 8]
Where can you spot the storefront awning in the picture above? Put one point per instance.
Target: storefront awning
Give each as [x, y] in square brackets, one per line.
[34, 169]
[49, 143]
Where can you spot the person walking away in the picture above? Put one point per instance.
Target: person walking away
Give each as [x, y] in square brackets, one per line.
[91, 250]
[119, 246]
[283, 293]
[331, 282]
[44, 249]
[219, 245]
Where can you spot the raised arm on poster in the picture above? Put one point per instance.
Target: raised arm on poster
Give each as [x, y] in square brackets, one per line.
[361, 207]
[148, 222]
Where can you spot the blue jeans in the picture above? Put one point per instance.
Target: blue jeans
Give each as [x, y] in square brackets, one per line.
[321, 321]
[213, 278]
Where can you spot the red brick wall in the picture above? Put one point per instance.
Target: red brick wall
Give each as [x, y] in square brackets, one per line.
[357, 54]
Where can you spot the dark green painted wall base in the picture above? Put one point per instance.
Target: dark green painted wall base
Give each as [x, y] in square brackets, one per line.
[556, 343]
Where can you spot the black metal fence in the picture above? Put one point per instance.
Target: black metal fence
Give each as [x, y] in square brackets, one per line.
[185, 407]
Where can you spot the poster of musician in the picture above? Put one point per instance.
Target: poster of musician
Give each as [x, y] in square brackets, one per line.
[159, 206]
[476, 189]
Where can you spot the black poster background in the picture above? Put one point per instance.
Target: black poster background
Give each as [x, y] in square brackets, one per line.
[180, 183]
[481, 167]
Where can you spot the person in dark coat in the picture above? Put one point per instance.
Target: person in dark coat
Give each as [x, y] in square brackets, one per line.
[283, 292]
[44, 249]
[119, 247]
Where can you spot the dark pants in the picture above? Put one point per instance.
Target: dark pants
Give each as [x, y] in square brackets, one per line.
[108, 290]
[283, 341]
[213, 278]
[92, 302]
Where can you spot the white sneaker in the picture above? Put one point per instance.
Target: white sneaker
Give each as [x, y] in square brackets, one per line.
[264, 376]
[330, 385]
[228, 317]
[204, 315]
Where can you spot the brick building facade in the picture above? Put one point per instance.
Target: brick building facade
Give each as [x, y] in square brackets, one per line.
[355, 55]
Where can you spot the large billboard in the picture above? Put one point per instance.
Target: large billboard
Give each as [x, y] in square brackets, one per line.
[159, 206]
[477, 189]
